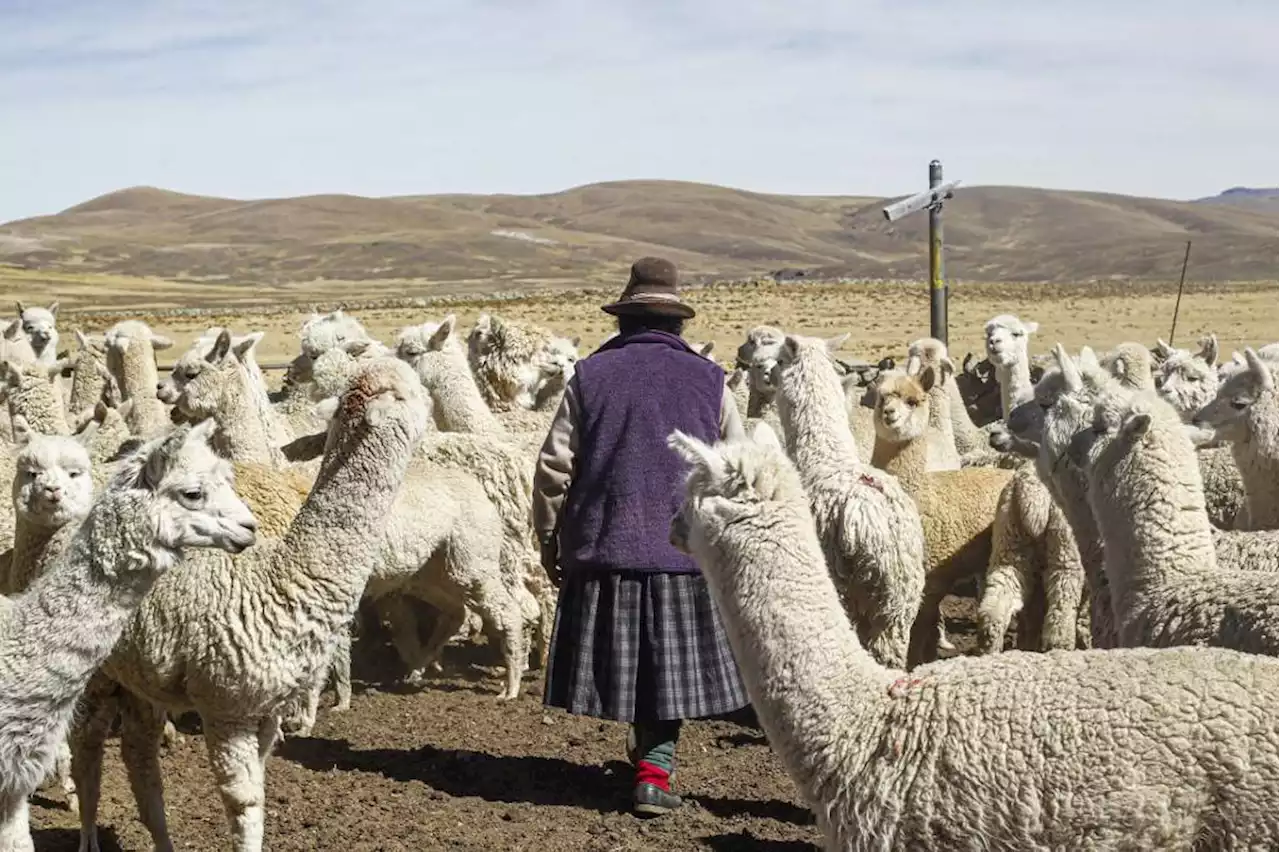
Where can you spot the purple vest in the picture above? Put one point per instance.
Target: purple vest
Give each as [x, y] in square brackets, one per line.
[627, 483]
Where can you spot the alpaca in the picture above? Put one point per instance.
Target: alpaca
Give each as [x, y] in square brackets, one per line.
[239, 639]
[514, 362]
[1006, 341]
[173, 493]
[957, 507]
[131, 347]
[1131, 366]
[1148, 501]
[1179, 749]
[1189, 381]
[941, 434]
[868, 525]
[321, 332]
[52, 492]
[1244, 414]
[40, 326]
[14, 345]
[435, 354]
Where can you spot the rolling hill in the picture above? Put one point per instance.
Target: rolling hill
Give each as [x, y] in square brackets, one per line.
[589, 234]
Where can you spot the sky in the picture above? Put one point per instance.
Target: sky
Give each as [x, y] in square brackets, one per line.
[251, 99]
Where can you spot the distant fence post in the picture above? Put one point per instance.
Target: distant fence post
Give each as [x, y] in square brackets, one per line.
[1181, 280]
[931, 199]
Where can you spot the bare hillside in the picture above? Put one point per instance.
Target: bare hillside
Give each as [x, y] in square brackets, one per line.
[473, 243]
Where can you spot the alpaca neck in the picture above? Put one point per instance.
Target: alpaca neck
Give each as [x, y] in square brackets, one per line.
[1258, 458]
[963, 429]
[137, 375]
[1150, 510]
[456, 401]
[1015, 385]
[38, 404]
[87, 384]
[907, 460]
[773, 591]
[1071, 492]
[244, 433]
[65, 626]
[941, 434]
[815, 422]
[35, 547]
[334, 538]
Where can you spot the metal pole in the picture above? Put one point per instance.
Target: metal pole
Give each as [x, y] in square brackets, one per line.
[937, 284]
[1178, 304]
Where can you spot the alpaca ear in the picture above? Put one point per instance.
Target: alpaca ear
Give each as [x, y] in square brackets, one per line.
[159, 341]
[735, 378]
[790, 347]
[1031, 326]
[834, 343]
[947, 367]
[1163, 350]
[1259, 368]
[62, 365]
[11, 371]
[694, 452]
[443, 333]
[21, 309]
[1137, 425]
[13, 329]
[928, 378]
[202, 431]
[22, 431]
[914, 365]
[1209, 349]
[81, 339]
[705, 350]
[53, 309]
[968, 364]
[221, 347]
[1070, 372]
[1088, 358]
[576, 340]
[246, 344]
[380, 407]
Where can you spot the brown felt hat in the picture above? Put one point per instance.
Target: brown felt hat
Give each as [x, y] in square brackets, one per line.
[654, 288]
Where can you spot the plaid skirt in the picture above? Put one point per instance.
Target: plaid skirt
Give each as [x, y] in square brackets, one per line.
[641, 647]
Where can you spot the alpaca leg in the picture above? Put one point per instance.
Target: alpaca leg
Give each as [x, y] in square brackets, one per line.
[1063, 587]
[235, 755]
[502, 613]
[65, 781]
[299, 717]
[171, 736]
[397, 611]
[428, 655]
[88, 736]
[141, 731]
[15, 824]
[924, 632]
[340, 672]
[1008, 582]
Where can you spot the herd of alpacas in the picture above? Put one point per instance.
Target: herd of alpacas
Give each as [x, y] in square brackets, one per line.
[198, 542]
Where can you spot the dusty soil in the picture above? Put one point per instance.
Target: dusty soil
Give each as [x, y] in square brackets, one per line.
[451, 767]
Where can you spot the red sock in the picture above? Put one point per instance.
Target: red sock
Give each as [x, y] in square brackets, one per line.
[648, 773]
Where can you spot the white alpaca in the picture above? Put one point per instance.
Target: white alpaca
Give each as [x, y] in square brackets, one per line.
[1189, 381]
[517, 364]
[131, 358]
[1006, 341]
[1245, 413]
[1179, 746]
[436, 355]
[1148, 501]
[172, 494]
[868, 525]
[89, 374]
[239, 640]
[31, 391]
[40, 326]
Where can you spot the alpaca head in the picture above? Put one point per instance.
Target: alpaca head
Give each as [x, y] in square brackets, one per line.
[1121, 424]
[191, 489]
[1229, 412]
[902, 405]
[196, 384]
[322, 332]
[415, 341]
[1007, 338]
[558, 357]
[757, 356]
[1189, 381]
[930, 352]
[1062, 406]
[382, 394]
[728, 481]
[1130, 365]
[132, 341]
[40, 325]
[52, 485]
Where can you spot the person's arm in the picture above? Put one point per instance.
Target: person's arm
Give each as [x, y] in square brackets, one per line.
[730, 419]
[553, 471]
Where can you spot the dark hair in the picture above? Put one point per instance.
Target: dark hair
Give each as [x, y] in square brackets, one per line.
[631, 323]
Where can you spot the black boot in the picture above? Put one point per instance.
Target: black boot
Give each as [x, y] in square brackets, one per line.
[652, 800]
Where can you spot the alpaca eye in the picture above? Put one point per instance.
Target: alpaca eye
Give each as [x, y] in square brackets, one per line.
[75, 474]
[193, 495]
[1240, 404]
[912, 403]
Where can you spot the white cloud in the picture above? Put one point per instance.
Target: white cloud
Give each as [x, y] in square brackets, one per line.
[250, 99]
